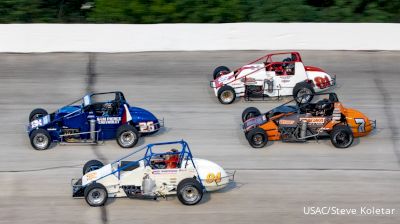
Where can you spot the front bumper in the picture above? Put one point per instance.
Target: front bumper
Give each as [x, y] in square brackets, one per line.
[333, 81]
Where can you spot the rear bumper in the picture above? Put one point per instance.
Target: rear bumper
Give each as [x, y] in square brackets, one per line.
[213, 85]
[77, 189]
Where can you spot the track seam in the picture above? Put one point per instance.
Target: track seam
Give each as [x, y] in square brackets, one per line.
[91, 80]
[390, 116]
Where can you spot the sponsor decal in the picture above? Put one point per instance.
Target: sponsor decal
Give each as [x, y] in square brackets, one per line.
[108, 120]
[252, 67]
[313, 120]
[91, 176]
[286, 121]
[223, 78]
[166, 171]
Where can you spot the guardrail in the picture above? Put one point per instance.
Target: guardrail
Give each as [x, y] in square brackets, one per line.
[25, 38]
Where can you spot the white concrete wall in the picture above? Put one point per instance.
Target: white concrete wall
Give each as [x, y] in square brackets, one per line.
[193, 37]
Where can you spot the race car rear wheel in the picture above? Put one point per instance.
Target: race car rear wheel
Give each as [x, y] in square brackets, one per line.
[342, 136]
[127, 136]
[40, 139]
[303, 92]
[219, 71]
[91, 165]
[189, 191]
[250, 112]
[96, 194]
[257, 137]
[37, 113]
[226, 95]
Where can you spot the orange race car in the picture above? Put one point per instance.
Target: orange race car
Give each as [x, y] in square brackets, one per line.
[322, 116]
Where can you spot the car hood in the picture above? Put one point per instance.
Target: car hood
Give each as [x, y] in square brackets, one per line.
[139, 114]
[68, 109]
[284, 109]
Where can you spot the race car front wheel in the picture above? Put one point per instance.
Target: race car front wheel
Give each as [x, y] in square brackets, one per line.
[219, 71]
[127, 136]
[250, 112]
[37, 113]
[226, 95]
[189, 191]
[257, 138]
[96, 194]
[342, 136]
[91, 165]
[40, 139]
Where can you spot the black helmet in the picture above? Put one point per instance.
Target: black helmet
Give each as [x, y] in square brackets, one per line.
[324, 104]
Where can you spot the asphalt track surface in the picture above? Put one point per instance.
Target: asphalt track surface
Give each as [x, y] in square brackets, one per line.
[272, 185]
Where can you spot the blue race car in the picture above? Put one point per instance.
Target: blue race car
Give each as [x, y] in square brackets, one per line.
[93, 118]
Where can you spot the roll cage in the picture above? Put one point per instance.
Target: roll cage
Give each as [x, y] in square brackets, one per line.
[331, 96]
[184, 153]
[270, 64]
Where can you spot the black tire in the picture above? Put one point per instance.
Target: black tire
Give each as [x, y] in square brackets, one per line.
[226, 95]
[218, 70]
[96, 194]
[250, 112]
[342, 136]
[40, 139]
[36, 113]
[257, 137]
[302, 89]
[127, 136]
[188, 188]
[91, 165]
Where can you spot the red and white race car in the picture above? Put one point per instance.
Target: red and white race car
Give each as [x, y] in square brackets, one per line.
[273, 75]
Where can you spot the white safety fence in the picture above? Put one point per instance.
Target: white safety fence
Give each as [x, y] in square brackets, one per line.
[198, 37]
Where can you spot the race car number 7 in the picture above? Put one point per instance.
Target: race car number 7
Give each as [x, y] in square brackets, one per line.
[361, 124]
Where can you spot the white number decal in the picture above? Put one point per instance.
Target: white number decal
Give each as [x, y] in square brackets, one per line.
[146, 127]
[36, 123]
[361, 124]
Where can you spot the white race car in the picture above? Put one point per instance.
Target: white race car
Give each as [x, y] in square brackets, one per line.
[167, 168]
[273, 75]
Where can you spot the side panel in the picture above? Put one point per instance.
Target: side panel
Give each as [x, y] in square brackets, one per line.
[287, 82]
[272, 130]
[322, 81]
[359, 123]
